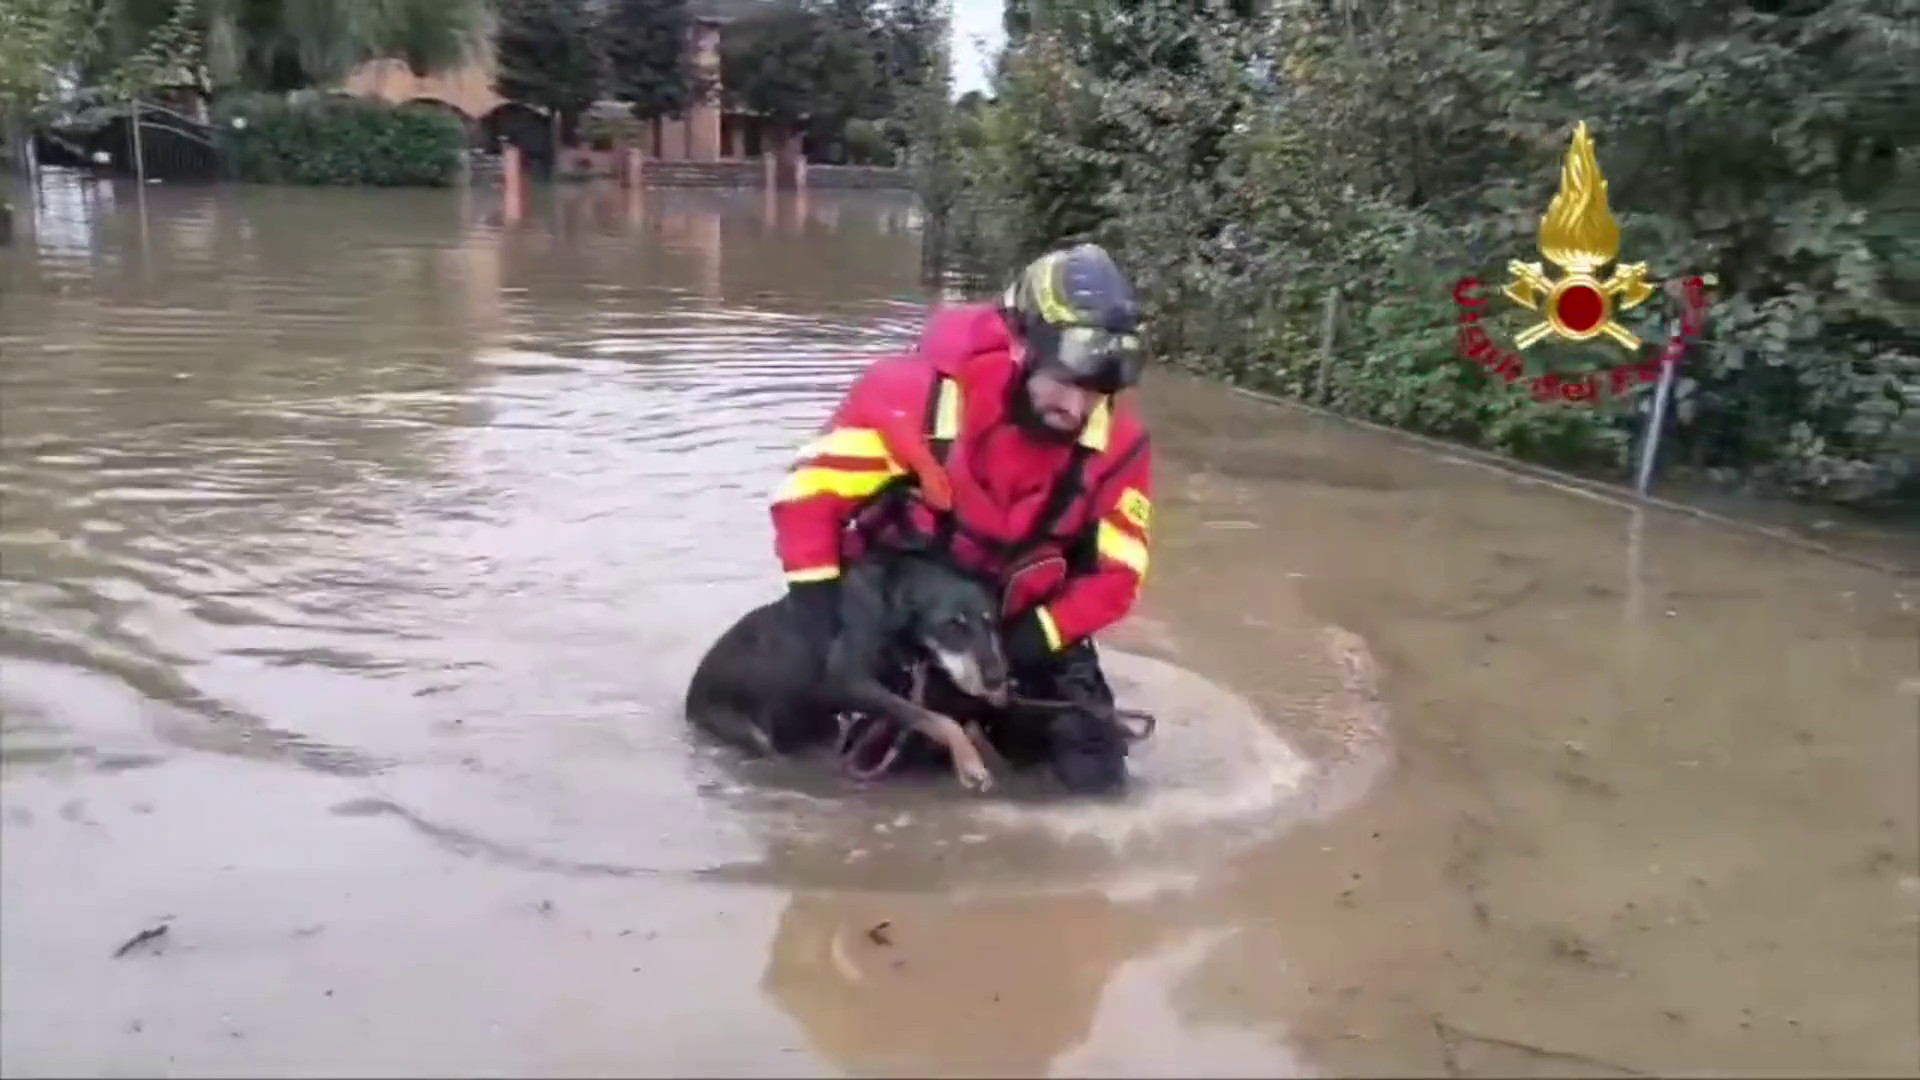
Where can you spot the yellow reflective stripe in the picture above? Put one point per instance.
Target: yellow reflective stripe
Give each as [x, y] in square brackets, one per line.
[1136, 508]
[1046, 292]
[946, 410]
[1128, 551]
[1048, 628]
[849, 443]
[1099, 425]
[814, 573]
[847, 484]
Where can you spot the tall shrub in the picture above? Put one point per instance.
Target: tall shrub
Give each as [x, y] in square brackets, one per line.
[340, 141]
[1248, 166]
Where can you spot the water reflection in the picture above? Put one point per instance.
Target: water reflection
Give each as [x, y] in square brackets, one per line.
[758, 248]
[254, 457]
[378, 485]
[64, 213]
[897, 985]
[450, 498]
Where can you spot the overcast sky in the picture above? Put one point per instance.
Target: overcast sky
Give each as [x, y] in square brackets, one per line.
[976, 36]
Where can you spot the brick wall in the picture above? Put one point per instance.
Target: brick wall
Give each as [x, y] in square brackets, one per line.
[709, 174]
[863, 177]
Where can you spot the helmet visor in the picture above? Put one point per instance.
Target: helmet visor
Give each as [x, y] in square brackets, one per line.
[1101, 360]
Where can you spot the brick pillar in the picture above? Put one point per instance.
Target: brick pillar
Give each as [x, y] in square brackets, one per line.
[794, 157]
[704, 239]
[673, 139]
[512, 184]
[703, 119]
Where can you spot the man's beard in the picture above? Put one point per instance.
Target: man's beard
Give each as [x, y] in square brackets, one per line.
[1028, 419]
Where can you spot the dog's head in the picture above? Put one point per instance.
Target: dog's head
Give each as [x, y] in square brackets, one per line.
[956, 621]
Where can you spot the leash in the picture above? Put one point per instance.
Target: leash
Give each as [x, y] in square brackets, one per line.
[1135, 724]
[857, 739]
[862, 736]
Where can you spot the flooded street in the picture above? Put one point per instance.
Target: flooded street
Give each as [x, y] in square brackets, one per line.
[355, 549]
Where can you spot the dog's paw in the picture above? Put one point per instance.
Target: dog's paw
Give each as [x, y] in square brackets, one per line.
[974, 775]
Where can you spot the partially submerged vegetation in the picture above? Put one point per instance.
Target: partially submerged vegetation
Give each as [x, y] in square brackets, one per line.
[843, 73]
[1250, 163]
[90, 63]
[267, 140]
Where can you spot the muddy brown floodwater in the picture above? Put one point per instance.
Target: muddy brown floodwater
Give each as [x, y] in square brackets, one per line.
[355, 548]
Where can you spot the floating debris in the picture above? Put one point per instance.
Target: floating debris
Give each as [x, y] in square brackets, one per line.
[152, 933]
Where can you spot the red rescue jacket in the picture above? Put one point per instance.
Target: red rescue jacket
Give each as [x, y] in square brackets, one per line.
[1063, 527]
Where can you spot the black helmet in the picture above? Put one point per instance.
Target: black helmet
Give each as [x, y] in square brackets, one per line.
[1076, 312]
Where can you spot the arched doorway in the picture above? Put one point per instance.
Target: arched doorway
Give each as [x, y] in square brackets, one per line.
[476, 138]
[524, 127]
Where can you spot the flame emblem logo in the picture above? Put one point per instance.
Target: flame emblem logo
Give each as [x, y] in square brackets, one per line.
[1578, 235]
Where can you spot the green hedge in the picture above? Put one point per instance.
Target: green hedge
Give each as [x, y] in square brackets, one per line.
[1248, 166]
[267, 140]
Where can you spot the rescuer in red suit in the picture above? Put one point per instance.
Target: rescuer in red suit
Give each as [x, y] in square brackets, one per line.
[1022, 401]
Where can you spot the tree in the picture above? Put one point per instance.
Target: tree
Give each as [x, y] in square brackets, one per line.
[430, 35]
[909, 39]
[40, 42]
[931, 122]
[1246, 167]
[797, 64]
[914, 39]
[282, 45]
[649, 64]
[169, 57]
[549, 55]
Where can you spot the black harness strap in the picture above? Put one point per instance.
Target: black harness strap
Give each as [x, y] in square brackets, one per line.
[1066, 488]
[1085, 540]
[1120, 465]
[1069, 486]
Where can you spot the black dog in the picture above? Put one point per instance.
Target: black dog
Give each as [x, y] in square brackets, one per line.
[768, 686]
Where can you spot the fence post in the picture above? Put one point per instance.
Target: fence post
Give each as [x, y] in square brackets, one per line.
[512, 183]
[1328, 323]
[139, 152]
[1656, 426]
[1682, 328]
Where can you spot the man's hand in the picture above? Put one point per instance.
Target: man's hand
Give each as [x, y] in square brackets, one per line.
[1025, 640]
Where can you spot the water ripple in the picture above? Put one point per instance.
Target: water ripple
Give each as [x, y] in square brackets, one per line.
[422, 498]
[255, 461]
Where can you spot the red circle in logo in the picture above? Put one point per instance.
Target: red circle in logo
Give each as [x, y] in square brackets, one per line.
[1581, 308]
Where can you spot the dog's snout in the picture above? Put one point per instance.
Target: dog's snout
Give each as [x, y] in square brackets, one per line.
[994, 678]
[993, 668]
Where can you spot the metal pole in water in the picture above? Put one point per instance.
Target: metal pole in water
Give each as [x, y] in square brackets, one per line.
[1656, 420]
[139, 154]
[1327, 330]
[140, 181]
